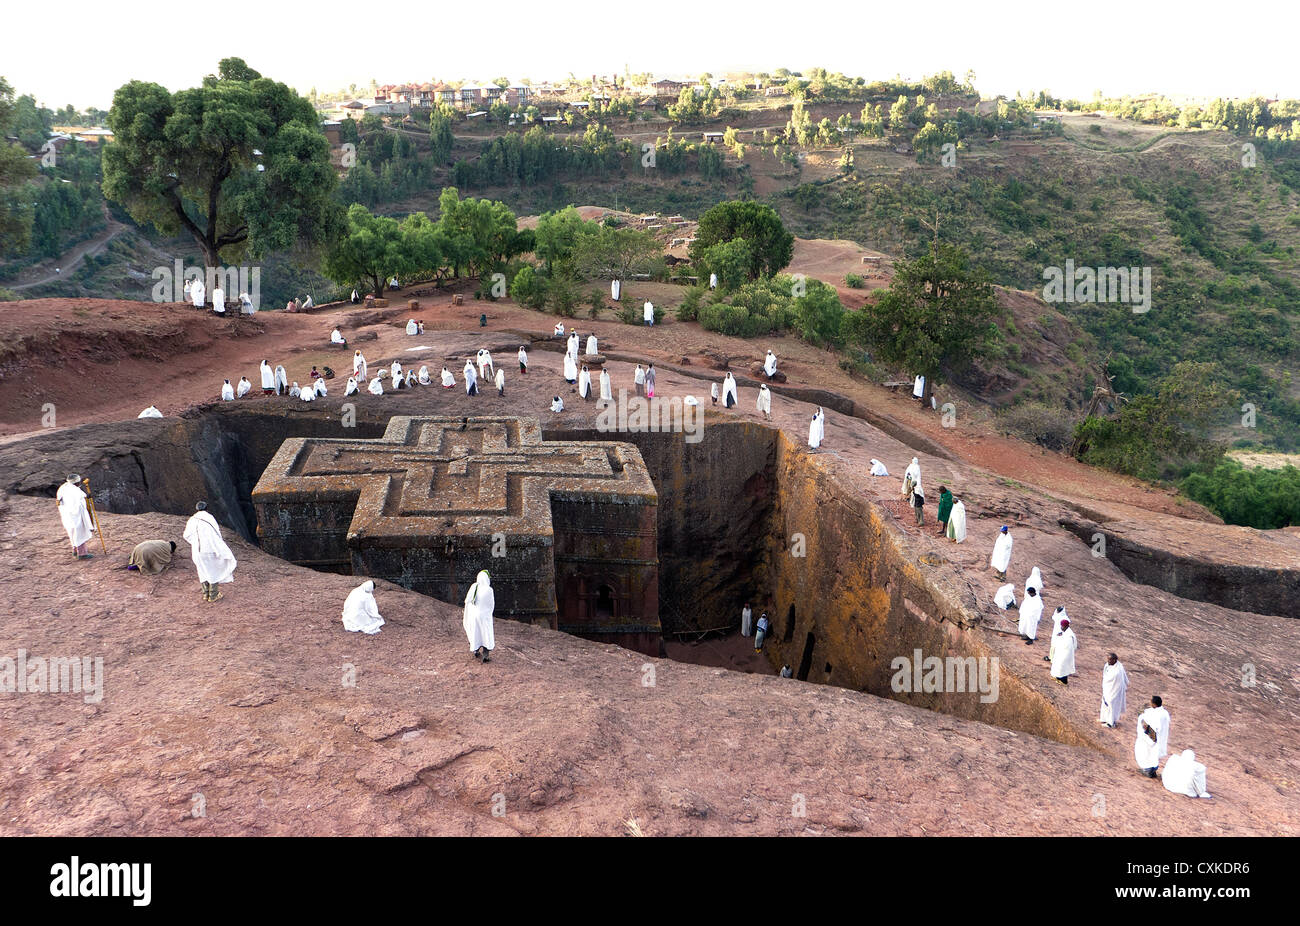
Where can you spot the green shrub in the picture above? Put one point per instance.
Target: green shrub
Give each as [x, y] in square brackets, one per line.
[689, 310]
[528, 289]
[1038, 424]
[854, 281]
[1262, 498]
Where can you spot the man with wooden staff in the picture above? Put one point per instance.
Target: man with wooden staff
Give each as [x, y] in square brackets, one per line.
[76, 515]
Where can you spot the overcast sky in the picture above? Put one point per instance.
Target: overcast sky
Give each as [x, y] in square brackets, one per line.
[80, 51]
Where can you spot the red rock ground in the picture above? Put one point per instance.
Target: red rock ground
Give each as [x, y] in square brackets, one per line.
[243, 701]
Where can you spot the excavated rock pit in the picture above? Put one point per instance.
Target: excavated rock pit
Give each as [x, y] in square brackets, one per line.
[743, 516]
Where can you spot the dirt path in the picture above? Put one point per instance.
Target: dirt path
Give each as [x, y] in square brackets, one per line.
[71, 258]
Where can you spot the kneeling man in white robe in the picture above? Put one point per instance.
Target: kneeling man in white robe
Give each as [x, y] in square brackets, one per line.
[1184, 775]
[479, 605]
[213, 560]
[360, 613]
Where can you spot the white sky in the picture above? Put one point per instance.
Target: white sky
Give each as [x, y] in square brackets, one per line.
[80, 51]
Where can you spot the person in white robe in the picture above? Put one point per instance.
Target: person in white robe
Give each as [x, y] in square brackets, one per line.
[213, 560]
[395, 371]
[713, 392]
[281, 381]
[1005, 596]
[559, 330]
[650, 381]
[1114, 688]
[355, 297]
[557, 404]
[307, 393]
[638, 379]
[816, 429]
[198, 294]
[189, 284]
[690, 400]
[746, 621]
[75, 515]
[336, 337]
[765, 400]
[878, 468]
[616, 289]
[769, 364]
[308, 303]
[1059, 617]
[411, 379]
[914, 494]
[500, 382]
[914, 471]
[471, 379]
[1064, 646]
[584, 382]
[359, 366]
[295, 390]
[479, 605]
[570, 369]
[218, 300]
[360, 612]
[424, 376]
[246, 306]
[1152, 743]
[571, 348]
[730, 396]
[918, 387]
[1035, 580]
[448, 378]
[523, 360]
[591, 345]
[1031, 611]
[648, 313]
[150, 412]
[956, 530]
[244, 387]
[268, 378]
[485, 368]
[412, 327]
[321, 389]
[1001, 557]
[713, 284]
[376, 386]
[227, 392]
[606, 387]
[351, 388]
[1184, 775]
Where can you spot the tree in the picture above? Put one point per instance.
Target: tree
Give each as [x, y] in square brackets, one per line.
[730, 260]
[479, 233]
[557, 236]
[186, 163]
[772, 247]
[933, 320]
[440, 137]
[424, 249]
[819, 314]
[370, 250]
[613, 252]
[15, 166]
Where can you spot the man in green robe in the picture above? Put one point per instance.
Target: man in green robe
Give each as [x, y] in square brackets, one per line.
[945, 507]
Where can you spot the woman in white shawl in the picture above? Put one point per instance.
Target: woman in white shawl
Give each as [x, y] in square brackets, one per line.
[713, 392]
[376, 386]
[412, 327]
[1184, 775]
[359, 366]
[584, 382]
[485, 368]
[471, 379]
[244, 387]
[321, 389]
[351, 387]
[307, 394]
[557, 404]
[1035, 580]
[268, 378]
[606, 387]
[396, 371]
[336, 337]
[591, 345]
[729, 395]
[281, 381]
[411, 380]
[957, 522]
[448, 378]
[1001, 557]
[523, 359]
[227, 392]
[500, 382]
[765, 400]
[816, 429]
[295, 391]
[878, 468]
[360, 612]
[213, 560]
[479, 605]
[914, 471]
[424, 376]
[638, 379]
[570, 369]
[769, 365]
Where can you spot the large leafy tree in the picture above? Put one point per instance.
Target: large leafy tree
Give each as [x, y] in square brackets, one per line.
[771, 246]
[15, 166]
[478, 233]
[371, 249]
[935, 318]
[614, 252]
[239, 164]
[557, 238]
